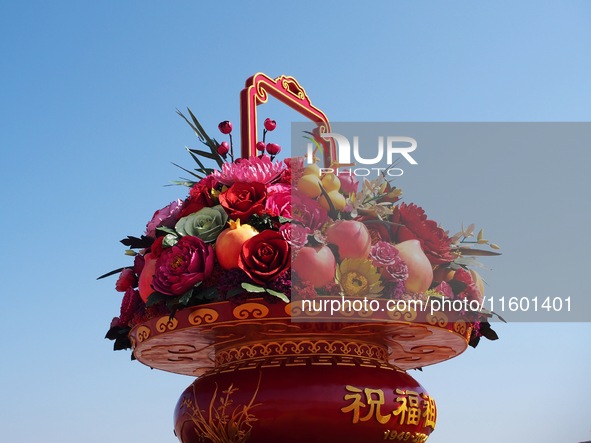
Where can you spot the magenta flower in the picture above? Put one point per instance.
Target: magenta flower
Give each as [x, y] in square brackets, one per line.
[445, 289]
[391, 266]
[384, 254]
[180, 267]
[307, 211]
[349, 183]
[294, 234]
[167, 216]
[279, 199]
[250, 170]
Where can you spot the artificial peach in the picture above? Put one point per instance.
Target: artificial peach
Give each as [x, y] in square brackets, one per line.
[316, 265]
[420, 272]
[351, 237]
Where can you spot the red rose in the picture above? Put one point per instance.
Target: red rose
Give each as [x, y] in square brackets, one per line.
[265, 256]
[199, 196]
[242, 200]
[412, 224]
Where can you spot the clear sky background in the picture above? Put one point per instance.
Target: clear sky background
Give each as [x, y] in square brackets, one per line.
[88, 95]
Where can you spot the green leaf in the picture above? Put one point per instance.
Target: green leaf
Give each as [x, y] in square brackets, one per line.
[170, 240]
[155, 297]
[478, 252]
[187, 183]
[186, 297]
[284, 219]
[252, 288]
[167, 230]
[204, 153]
[188, 171]
[172, 304]
[113, 272]
[234, 292]
[279, 295]
[207, 294]
[212, 144]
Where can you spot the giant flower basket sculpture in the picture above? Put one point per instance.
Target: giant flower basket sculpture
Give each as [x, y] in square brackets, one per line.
[237, 285]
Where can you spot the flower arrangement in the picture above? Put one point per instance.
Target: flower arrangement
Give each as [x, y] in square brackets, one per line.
[258, 226]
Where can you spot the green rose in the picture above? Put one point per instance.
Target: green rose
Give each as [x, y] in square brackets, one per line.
[207, 223]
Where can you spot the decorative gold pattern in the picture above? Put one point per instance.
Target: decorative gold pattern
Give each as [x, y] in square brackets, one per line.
[409, 315]
[460, 327]
[203, 315]
[166, 324]
[302, 360]
[250, 310]
[225, 333]
[301, 347]
[223, 425]
[292, 86]
[437, 318]
[143, 333]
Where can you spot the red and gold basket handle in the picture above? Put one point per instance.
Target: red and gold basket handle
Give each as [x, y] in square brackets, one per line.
[287, 90]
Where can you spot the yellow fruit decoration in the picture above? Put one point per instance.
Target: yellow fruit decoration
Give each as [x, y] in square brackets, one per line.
[309, 185]
[331, 182]
[312, 169]
[337, 199]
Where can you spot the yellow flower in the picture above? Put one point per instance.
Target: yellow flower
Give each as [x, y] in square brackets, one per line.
[358, 277]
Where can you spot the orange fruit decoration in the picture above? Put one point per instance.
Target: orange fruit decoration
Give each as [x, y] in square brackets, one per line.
[229, 243]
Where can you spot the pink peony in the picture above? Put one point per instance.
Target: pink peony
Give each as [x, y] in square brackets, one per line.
[279, 203]
[166, 216]
[250, 170]
[307, 211]
[180, 267]
[294, 234]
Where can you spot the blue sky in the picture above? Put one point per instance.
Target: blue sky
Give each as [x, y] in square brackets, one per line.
[89, 131]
